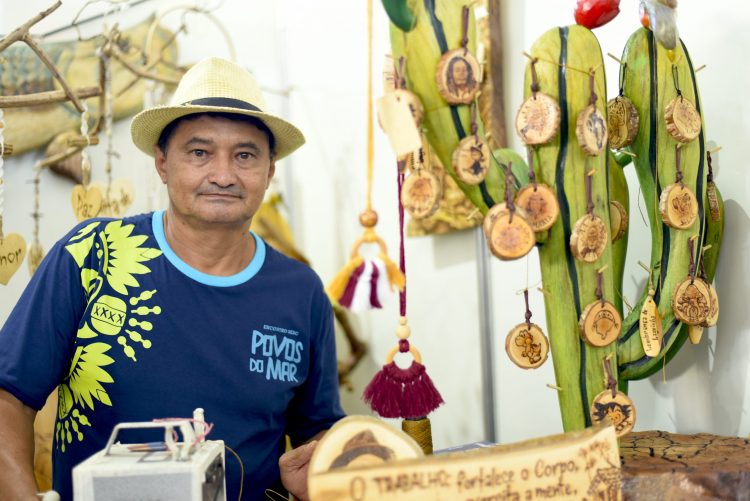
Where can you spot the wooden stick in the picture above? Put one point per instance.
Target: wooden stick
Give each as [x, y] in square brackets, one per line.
[49, 97]
[117, 53]
[153, 63]
[7, 149]
[23, 30]
[51, 66]
[82, 141]
[59, 157]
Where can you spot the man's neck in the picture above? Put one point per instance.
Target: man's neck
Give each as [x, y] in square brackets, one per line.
[210, 248]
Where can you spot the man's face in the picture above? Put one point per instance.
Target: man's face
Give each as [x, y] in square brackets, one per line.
[459, 72]
[216, 170]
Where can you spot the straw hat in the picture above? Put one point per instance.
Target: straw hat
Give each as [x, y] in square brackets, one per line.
[214, 84]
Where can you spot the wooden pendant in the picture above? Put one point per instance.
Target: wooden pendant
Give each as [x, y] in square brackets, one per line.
[36, 254]
[420, 194]
[527, 346]
[650, 326]
[591, 130]
[540, 204]
[683, 120]
[538, 119]
[622, 121]
[491, 216]
[511, 238]
[589, 238]
[678, 206]
[117, 198]
[471, 160]
[600, 323]
[87, 202]
[458, 76]
[691, 301]
[618, 410]
[618, 219]
[713, 314]
[12, 252]
[415, 105]
[695, 333]
[713, 201]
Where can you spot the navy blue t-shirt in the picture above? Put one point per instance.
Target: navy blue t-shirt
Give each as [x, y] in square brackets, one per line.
[130, 332]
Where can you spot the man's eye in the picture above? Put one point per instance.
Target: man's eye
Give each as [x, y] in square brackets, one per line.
[199, 153]
[245, 155]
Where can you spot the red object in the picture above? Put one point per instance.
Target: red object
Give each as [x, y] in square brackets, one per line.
[645, 21]
[402, 393]
[595, 13]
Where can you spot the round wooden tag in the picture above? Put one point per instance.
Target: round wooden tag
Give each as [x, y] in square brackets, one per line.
[622, 121]
[683, 120]
[618, 219]
[588, 239]
[650, 327]
[511, 238]
[491, 216]
[538, 119]
[527, 346]
[691, 301]
[540, 204]
[678, 206]
[458, 76]
[600, 323]
[591, 130]
[618, 410]
[420, 194]
[713, 315]
[471, 160]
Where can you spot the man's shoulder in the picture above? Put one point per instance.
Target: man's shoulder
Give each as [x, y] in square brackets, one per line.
[99, 224]
[278, 261]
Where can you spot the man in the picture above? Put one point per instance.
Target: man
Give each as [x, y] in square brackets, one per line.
[155, 315]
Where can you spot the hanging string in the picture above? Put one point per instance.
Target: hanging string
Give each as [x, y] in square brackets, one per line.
[678, 168]
[474, 126]
[509, 191]
[2, 170]
[592, 87]
[532, 174]
[676, 81]
[710, 177]
[623, 67]
[692, 259]
[599, 289]
[589, 195]
[106, 68]
[401, 252]
[85, 163]
[534, 78]
[527, 315]
[611, 381]
[370, 133]
[465, 26]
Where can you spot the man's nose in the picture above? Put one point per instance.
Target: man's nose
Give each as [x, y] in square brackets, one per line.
[222, 170]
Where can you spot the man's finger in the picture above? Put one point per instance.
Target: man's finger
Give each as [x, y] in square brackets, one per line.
[298, 457]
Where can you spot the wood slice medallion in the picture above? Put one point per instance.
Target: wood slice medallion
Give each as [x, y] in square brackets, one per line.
[695, 333]
[618, 219]
[491, 216]
[618, 410]
[12, 253]
[678, 206]
[511, 237]
[36, 254]
[589, 238]
[600, 323]
[713, 315]
[361, 441]
[458, 76]
[683, 120]
[691, 301]
[527, 346]
[421, 193]
[622, 121]
[540, 204]
[713, 201]
[591, 130]
[650, 326]
[538, 119]
[471, 160]
[87, 201]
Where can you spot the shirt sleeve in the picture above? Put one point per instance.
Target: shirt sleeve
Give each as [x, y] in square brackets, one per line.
[37, 339]
[316, 406]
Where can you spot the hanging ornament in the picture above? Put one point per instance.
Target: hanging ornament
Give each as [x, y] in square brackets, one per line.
[591, 126]
[677, 204]
[538, 118]
[622, 117]
[691, 299]
[526, 344]
[589, 237]
[538, 201]
[398, 88]
[713, 313]
[650, 326]
[510, 235]
[87, 200]
[711, 195]
[422, 190]
[613, 406]
[683, 120]
[459, 73]
[12, 245]
[471, 159]
[36, 251]
[600, 323]
[618, 220]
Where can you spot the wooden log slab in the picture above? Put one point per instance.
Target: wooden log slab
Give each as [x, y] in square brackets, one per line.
[662, 466]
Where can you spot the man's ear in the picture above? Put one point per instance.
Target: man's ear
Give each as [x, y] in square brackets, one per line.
[271, 172]
[160, 160]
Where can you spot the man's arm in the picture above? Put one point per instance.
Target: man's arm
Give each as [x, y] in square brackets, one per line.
[16, 449]
[294, 465]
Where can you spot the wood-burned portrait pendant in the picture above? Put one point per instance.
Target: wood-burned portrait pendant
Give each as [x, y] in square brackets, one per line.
[650, 326]
[678, 206]
[618, 219]
[589, 238]
[622, 121]
[471, 160]
[458, 76]
[683, 120]
[511, 236]
[421, 193]
[538, 119]
[600, 323]
[691, 301]
[527, 346]
[713, 312]
[591, 130]
[618, 410]
[540, 204]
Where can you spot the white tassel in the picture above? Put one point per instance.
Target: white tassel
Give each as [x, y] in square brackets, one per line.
[361, 298]
[382, 288]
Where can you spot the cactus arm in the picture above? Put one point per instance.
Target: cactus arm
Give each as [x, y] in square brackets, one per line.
[618, 191]
[400, 14]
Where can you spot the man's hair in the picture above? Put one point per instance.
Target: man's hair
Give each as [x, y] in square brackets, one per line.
[168, 131]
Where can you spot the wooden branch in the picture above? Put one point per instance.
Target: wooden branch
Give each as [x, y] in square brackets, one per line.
[118, 54]
[82, 141]
[20, 32]
[51, 66]
[153, 63]
[499, 131]
[49, 97]
[59, 157]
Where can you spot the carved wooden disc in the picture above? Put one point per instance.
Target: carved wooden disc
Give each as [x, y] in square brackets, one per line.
[12, 252]
[695, 333]
[683, 120]
[678, 206]
[600, 323]
[618, 219]
[511, 238]
[622, 121]
[591, 130]
[713, 201]
[691, 301]
[420, 194]
[650, 327]
[538, 119]
[458, 76]
[471, 160]
[87, 201]
[618, 410]
[540, 204]
[491, 216]
[527, 346]
[713, 315]
[588, 239]
[415, 105]
[36, 254]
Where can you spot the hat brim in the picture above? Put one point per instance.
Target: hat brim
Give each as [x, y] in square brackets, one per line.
[146, 126]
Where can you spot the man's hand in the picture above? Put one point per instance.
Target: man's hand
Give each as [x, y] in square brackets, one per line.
[293, 466]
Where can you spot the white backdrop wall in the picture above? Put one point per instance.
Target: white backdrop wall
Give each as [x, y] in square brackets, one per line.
[290, 45]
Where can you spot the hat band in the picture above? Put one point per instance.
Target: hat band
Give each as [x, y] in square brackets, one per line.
[224, 102]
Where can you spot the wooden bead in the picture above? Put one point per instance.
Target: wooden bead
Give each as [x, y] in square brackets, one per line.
[678, 206]
[589, 238]
[458, 76]
[368, 218]
[618, 218]
[538, 119]
[471, 160]
[540, 204]
[622, 122]
[618, 410]
[691, 301]
[591, 130]
[527, 346]
[421, 193]
[600, 323]
[403, 332]
[683, 120]
[511, 237]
